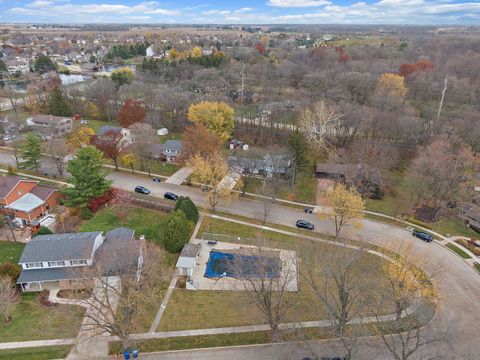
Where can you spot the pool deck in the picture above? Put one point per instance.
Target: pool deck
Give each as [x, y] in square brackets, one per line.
[288, 276]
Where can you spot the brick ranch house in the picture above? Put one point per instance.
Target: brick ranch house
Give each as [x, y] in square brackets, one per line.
[74, 260]
[25, 200]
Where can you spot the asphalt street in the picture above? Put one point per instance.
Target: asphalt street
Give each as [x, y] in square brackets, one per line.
[458, 285]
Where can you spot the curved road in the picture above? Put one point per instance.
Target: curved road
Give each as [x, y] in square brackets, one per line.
[458, 315]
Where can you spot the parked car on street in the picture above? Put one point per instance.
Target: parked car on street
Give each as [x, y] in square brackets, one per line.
[308, 210]
[422, 235]
[170, 196]
[157, 179]
[142, 190]
[304, 224]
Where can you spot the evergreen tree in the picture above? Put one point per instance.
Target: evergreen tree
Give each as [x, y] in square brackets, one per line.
[3, 66]
[177, 232]
[87, 177]
[31, 152]
[188, 207]
[44, 64]
[58, 105]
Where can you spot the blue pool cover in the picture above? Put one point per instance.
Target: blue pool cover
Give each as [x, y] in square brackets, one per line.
[222, 264]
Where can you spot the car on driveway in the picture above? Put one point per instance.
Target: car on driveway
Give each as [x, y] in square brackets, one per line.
[170, 196]
[422, 235]
[304, 224]
[142, 190]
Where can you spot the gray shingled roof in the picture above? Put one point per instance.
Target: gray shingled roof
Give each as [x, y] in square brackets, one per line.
[106, 128]
[52, 247]
[118, 255]
[43, 192]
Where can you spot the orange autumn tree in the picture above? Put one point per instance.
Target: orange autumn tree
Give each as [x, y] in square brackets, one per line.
[131, 112]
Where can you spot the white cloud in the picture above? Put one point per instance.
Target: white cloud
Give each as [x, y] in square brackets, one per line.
[39, 3]
[297, 3]
[48, 8]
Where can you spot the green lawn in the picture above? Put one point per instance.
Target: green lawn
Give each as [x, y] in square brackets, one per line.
[453, 226]
[209, 309]
[22, 115]
[144, 222]
[38, 353]
[34, 321]
[97, 124]
[164, 168]
[170, 136]
[10, 251]
[459, 251]
[304, 190]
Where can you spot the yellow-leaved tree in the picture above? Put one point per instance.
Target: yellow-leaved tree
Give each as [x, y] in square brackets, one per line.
[196, 52]
[344, 206]
[217, 117]
[209, 172]
[391, 85]
[129, 160]
[80, 137]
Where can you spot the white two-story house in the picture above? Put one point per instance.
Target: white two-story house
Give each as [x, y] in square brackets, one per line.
[72, 260]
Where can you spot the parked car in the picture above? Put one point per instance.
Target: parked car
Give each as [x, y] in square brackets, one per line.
[308, 210]
[422, 235]
[171, 196]
[304, 224]
[142, 190]
[157, 179]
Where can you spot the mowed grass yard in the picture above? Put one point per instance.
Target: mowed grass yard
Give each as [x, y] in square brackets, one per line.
[39, 353]
[212, 309]
[304, 190]
[33, 321]
[30, 319]
[10, 251]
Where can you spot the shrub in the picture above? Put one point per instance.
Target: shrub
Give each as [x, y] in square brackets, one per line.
[44, 231]
[99, 202]
[11, 270]
[188, 207]
[86, 214]
[419, 223]
[177, 231]
[12, 170]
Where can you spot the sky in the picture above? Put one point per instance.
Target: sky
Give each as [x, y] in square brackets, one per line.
[412, 12]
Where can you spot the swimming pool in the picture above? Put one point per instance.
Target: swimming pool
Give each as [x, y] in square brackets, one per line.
[221, 264]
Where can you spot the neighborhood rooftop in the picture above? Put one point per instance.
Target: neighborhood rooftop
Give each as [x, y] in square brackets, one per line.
[7, 183]
[27, 203]
[57, 247]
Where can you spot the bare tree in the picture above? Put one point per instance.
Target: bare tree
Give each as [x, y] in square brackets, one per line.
[145, 138]
[336, 284]
[57, 151]
[320, 126]
[118, 302]
[268, 275]
[269, 193]
[8, 297]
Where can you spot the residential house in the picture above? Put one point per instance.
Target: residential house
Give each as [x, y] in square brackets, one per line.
[259, 163]
[74, 260]
[366, 179]
[25, 200]
[470, 214]
[171, 150]
[127, 136]
[18, 65]
[49, 126]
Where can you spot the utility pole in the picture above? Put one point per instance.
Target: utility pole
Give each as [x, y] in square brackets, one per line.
[443, 97]
[243, 82]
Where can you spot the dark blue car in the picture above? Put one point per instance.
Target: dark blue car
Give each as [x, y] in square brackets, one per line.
[422, 235]
[142, 190]
[304, 224]
[171, 196]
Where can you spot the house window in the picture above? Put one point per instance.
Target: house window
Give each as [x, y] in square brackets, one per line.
[78, 262]
[34, 265]
[56, 263]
